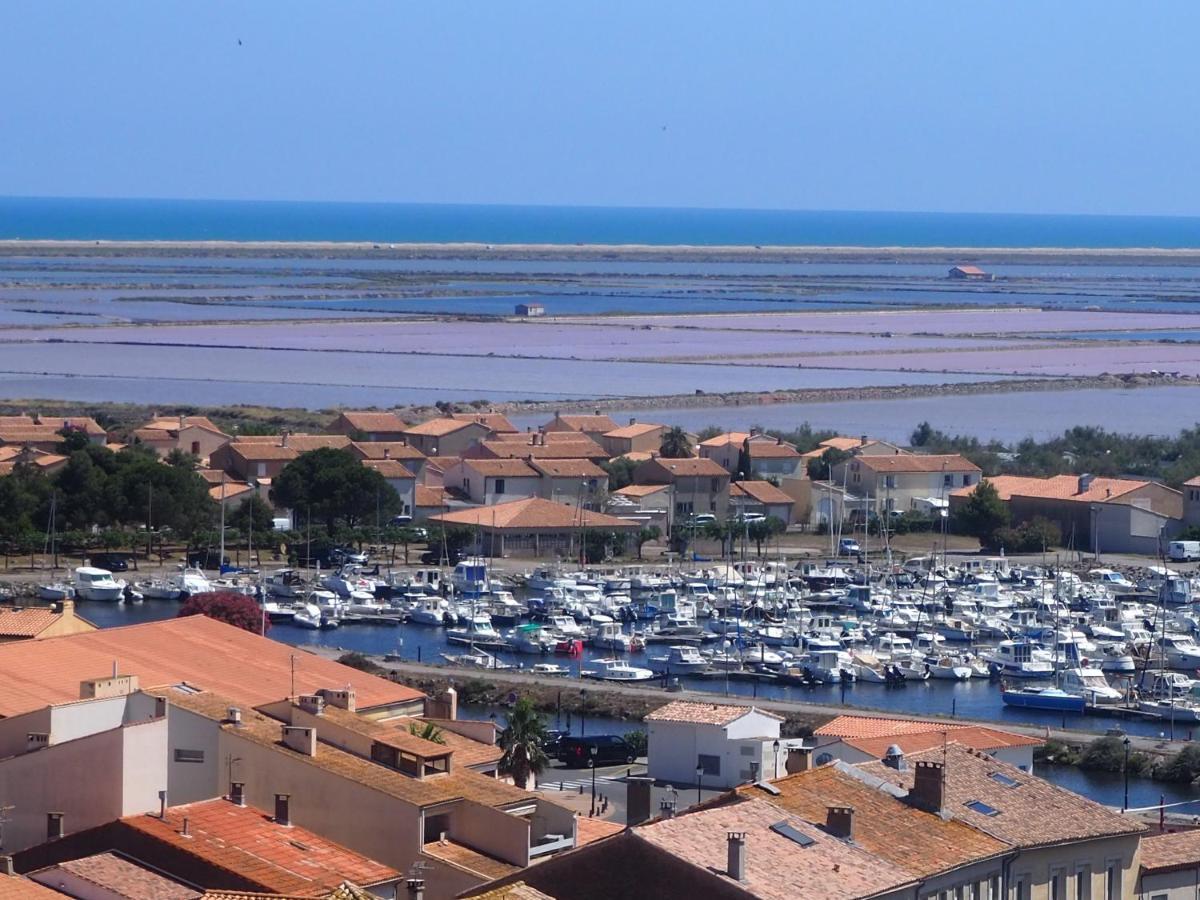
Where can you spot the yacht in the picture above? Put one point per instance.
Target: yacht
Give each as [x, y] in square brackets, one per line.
[609, 636]
[98, 584]
[308, 615]
[432, 611]
[617, 670]
[478, 631]
[158, 589]
[286, 583]
[947, 668]
[1015, 659]
[348, 580]
[1090, 684]
[829, 666]
[1174, 710]
[470, 576]
[681, 659]
[531, 639]
[566, 626]
[1049, 698]
[1179, 651]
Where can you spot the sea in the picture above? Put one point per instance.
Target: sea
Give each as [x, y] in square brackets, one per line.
[113, 219]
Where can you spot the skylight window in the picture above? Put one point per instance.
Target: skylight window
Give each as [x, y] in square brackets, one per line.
[787, 831]
[1001, 778]
[982, 808]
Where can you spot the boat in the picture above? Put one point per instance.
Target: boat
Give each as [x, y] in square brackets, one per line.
[617, 670]
[609, 636]
[98, 584]
[470, 576]
[1015, 659]
[947, 668]
[278, 612]
[550, 669]
[348, 581]
[286, 583]
[1179, 651]
[308, 616]
[158, 589]
[531, 639]
[1049, 698]
[475, 659]
[1174, 710]
[432, 611]
[55, 593]
[1090, 684]
[479, 631]
[681, 659]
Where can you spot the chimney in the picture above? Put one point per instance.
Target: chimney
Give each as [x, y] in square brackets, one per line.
[1085, 482]
[894, 758]
[416, 888]
[637, 806]
[282, 813]
[387, 452]
[597, 411]
[928, 786]
[862, 439]
[632, 420]
[839, 821]
[6, 866]
[233, 715]
[302, 740]
[237, 793]
[557, 415]
[54, 826]
[449, 697]
[666, 808]
[283, 438]
[313, 704]
[343, 699]
[162, 804]
[736, 869]
[181, 421]
[185, 831]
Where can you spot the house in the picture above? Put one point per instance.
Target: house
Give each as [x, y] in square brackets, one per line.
[731, 744]
[649, 503]
[231, 494]
[396, 474]
[196, 435]
[532, 527]
[905, 481]
[636, 437]
[497, 423]
[863, 446]
[760, 498]
[12, 456]
[24, 623]
[541, 446]
[412, 458]
[570, 480]
[429, 501]
[530, 310]
[698, 485]
[1113, 515]
[369, 426]
[446, 436]
[85, 424]
[1170, 866]
[860, 739]
[766, 456]
[489, 481]
[594, 426]
[1191, 501]
[1082, 849]
[247, 460]
[969, 273]
[43, 438]
[221, 844]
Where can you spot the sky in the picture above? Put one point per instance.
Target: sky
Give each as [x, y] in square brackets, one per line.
[1078, 107]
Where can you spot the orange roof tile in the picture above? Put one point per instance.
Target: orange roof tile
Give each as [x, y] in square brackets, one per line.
[230, 490]
[385, 449]
[597, 423]
[253, 451]
[121, 876]
[684, 468]
[1168, 852]
[428, 497]
[86, 424]
[500, 468]
[773, 450]
[18, 887]
[518, 890]
[439, 427]
[762, 491]
[637, 429]
[1059, 487]
[568, 468]
[302, 443]
[26, 621]
[469, 860]
[974, 737]
[252, 670]
[580, 448]
[641, 490]
[914, 463]
[704, 713]
[908, 838]
[589, 829]
[389, 468]
[1192, 482]
[247, 841]
[727, 439]
[850, 726]
[373, 421]
[532, 514]
[497, 423]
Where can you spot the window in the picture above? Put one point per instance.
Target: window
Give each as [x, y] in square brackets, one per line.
[1021, 887]
[1003, 779]
[1112, 880]
[983, 809]
[1057, 885]
[716, 485]
[189, 756]
[948, 480]
[889, 481]
[710, 764]
[195, 448]
[1083, 882]
[499, 485]
[994, 888]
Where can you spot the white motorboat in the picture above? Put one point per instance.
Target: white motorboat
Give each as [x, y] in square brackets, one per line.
[470, 576]
[617, 670]
[349, 580]
[479, 631]
[308, 616]
[609, 636]
[531, 639]
[1179, 651]
[829, 666]
[565, 626]
[947, 668]
[1175, 710]
[475, 659]
[549, 669]
[286, 583]
[1016, 659]
[98, 584]
[158, 589]
[432, 611]
[681, 659]
[54, 593]
[1090, 684]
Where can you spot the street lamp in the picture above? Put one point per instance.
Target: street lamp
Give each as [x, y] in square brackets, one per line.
[1126, 742]
[699, 781]
[592, 764]
[582, 711]
[776, 746]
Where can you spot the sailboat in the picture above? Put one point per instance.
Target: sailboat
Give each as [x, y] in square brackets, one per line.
[1051, 699]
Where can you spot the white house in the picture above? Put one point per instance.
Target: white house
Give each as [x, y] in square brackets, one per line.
[731, 745]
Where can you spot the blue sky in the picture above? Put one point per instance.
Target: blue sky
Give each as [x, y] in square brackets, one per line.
[959, 106]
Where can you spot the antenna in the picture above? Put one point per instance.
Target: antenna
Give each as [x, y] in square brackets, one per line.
[293, 661]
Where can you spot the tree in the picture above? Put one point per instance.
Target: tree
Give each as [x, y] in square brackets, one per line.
[763, 530]
[332, 486]
[676, 444]
[427, 731]
[646, 534]
[620, 472]
[225, 606]
[521, 740]
[983, 513]
[743, 469]
[599, 544]
[821, 468]
[253, 513]
[921, 435]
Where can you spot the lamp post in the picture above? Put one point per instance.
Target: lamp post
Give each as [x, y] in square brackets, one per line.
[775, 774]
[592, 764]
[699, 782]
[1126, 742]
[583, 695]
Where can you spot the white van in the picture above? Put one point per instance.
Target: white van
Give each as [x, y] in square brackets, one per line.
[1183, 551]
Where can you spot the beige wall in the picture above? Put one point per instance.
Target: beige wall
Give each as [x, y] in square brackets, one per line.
[1037, 865]
[453, 444]
[1183, 884]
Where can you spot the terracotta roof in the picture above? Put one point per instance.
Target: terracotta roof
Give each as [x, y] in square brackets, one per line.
[428, 497]
[252, 670]
[373, 421]
[589, 829]
[703, 713]
[389, 468]
[470, 860]
[773, 450]
[86, 424]
[439, 427]
[392, 449]
[1058, 487]
[532, 513]
[909, 838]
[912, 462]
[580, 448]
[1019, 816]
[1167, 852]
[842, 443]
[828, 868]
[973, 737]
[305, 442]
[969, 270]
[9, 421]
[1193, 482]
[851, 726]
[500, 468]
[441, 463]
[431, 790]
[762, 491]
[467, 751]
[568, 468]
[597, 423]
[637, 429]
[231, 490]
[728, 438]
[26, 621]
[31, 434]
[122, 877]
[344, 891]
[18, 887]
[498, 423]
[253, 451]
[171, 423]
[691, 467]
[247, 841]
[393, 735]
[641, 490]
[516, 891]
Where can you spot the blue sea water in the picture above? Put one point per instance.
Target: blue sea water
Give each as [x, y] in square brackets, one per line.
[129, 219]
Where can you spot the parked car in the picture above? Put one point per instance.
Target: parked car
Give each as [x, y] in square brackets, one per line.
[433, 556]
[610, 749]
[341, 555]
[848, 547]
[550, 743]
[206, 559]
[702, 519]
[113, 562]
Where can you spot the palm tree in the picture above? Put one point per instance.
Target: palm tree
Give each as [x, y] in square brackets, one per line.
[676, 444]
[521, 740]
[427, 731]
